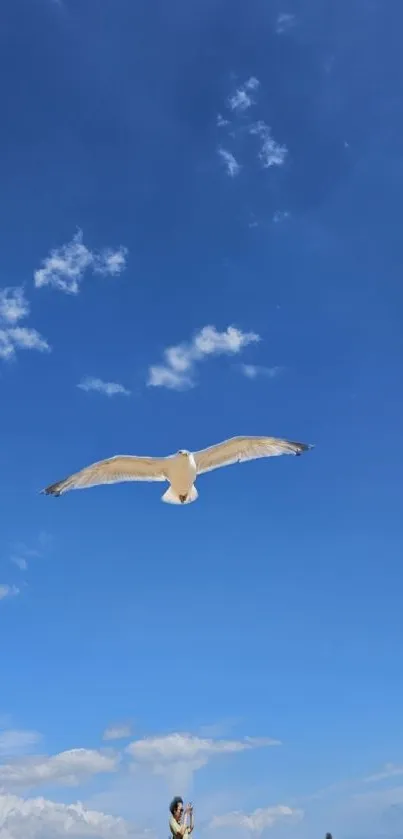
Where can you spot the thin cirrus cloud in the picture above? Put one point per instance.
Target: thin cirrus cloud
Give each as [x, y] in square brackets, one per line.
[257, 821]
[280, 215]
[19, 561]
[231, 164]
[22, 818]
[21, 554]
[16, 742]
[65, 268]
[68, 768]
[177, 371]
[284, 22]
[254, 371]
[14, 307]
[106, 388]
[8, 591]
[119, 731]
[390, 770]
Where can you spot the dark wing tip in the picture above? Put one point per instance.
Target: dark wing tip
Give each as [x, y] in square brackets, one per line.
[300, 448]
[53, 489]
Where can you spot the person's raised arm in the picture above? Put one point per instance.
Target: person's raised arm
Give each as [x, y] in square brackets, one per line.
[176, 828]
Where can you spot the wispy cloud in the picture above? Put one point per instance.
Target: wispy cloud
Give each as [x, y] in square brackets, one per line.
[14, 307]
[179, 755]
[271, 153]
[221, 728]
[20, 562]
[253, 371]
[65, 267]
[257, 821]
[16, 742]
[107, 388]
[390, 770]
[280, 215]
[22, 818]
[284, 22]
[119, 731]
[241, 100]
[177, 372]
[231, 164]
[68, 768]
[8, 591]
[22, 553]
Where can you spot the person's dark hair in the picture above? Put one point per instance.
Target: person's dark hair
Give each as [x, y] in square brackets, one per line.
[329, 836]
[174, 803]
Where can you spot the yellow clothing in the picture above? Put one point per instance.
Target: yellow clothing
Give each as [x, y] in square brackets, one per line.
[176, 828]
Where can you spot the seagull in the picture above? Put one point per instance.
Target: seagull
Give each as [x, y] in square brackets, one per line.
[180, 469]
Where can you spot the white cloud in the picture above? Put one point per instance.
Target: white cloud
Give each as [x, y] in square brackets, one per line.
[14, 741]
[119, 731]
[110, 262]
[8, 591]
[27, 339]
[108, 388]
[179, 755]
[15, 307]
[65, 267]
[37, 818]
[177, 371]
[69, 768]
[231, 164]
[284, 23]
[252, 371]
[221, 121]
[241, 100]
[257, 821]
[271, 153]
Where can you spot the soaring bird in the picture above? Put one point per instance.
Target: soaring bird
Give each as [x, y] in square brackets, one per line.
[180, 469]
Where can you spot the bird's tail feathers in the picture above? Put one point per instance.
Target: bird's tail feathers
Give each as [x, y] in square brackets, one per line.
[170, 496]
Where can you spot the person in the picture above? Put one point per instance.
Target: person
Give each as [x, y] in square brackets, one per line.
[178, 819]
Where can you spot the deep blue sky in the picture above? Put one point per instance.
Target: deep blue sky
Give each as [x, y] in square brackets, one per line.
[272, 607]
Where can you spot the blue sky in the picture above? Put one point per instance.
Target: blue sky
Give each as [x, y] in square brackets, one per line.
[227, 176]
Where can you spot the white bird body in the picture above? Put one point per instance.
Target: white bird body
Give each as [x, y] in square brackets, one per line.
[181, 473]
[180, 469]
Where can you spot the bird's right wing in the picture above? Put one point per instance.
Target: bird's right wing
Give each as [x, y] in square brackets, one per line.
[239, 449]
[112, 471]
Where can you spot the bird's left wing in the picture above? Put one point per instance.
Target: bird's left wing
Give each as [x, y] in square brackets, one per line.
[112, 471]
[238, 449]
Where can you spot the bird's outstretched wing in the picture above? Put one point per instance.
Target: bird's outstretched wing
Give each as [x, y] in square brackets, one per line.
[238, 449]
[112, 471]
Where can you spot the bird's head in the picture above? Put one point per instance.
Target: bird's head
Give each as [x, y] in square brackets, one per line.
[184, 452]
